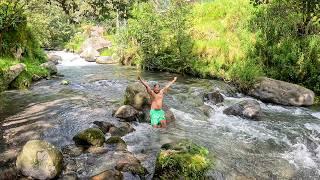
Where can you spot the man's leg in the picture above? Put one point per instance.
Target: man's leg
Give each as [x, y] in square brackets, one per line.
[163, 124]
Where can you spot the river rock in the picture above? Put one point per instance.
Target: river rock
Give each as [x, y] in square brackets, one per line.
[126, 112]
[182, 160]
[129, 163]
[88, 137]
[104, 60]
[40, 160]
[117, 143]
[280, 92]
[213, 97]
[90, 54]
[13, 72]
[136, 95]
[248, 108]
[54, 58]
[65, 82]
[103, 126]
[122, 130]
[72, 150]
[108, 175]
[51, 67]
[96, 43]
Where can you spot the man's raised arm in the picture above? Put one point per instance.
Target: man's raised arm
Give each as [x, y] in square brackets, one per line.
[145, 85]
[165, 89]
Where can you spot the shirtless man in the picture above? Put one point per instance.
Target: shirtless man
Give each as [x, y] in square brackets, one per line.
[157, 115]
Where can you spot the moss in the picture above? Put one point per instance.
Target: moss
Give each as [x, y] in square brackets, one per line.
[115, 140]
[107, 52]
[91, 136]
[183, 159]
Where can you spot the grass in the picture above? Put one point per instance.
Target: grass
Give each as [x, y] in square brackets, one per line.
[222, 41]
[76, 42]
[24, 80]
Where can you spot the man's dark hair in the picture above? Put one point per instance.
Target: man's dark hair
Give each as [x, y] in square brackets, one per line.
[156, 84]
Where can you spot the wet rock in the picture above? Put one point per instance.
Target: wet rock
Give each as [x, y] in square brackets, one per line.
[108, 175]
[69, 176]
[40, 160]
[280, 92]
[136, 95]
[8, 174]
[206, 110]
[129, 163]
[54, 58]
[73, 150]
[89, 137]
[97, 150]
[182, 159]
[51, 67]
[126, 112]
[121, 131]
[105, 60]
[213, 97]
[89, 54]
[117, 143]
[103, 126]
[65, 82]
[248, 108]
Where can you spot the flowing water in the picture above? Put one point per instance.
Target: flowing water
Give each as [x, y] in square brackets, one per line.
[285, 144]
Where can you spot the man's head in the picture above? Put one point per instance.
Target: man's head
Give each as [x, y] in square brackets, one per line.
[156, 88]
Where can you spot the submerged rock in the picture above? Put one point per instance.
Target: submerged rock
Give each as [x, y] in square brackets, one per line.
[247, 108]
[103, 126]
[72, 150]
[136, 95]
[88, 137]
[280, 92]
[51, 67]
[126, 112]
[214, 97]
[117, 143]
[129, 163]
[108, 175]
[39, 159]
[122, 130]
[65, 82]
[183, 159]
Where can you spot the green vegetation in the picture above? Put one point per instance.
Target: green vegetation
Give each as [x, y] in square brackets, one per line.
[184, 159]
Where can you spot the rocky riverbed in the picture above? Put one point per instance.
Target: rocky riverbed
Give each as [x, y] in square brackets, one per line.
[283, 143]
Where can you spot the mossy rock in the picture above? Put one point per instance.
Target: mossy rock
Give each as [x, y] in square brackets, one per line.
[40, 160]
[182, 159]
[88, 137]
[117, 142]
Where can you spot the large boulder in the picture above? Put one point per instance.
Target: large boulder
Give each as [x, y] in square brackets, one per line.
[105, 60]
[90, 54]
[97, 43]
[54, 58]
[50, 66]
[136, 95]
[40, 160]
[89, 137]
[126, 112]
[182, 160]
[13, 72]
[213, 97]
[280, 92]
[247, 108]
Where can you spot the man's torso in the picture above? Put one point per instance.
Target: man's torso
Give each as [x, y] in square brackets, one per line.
[157, 100]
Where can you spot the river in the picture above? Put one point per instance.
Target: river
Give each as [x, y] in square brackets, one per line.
[284, 144]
